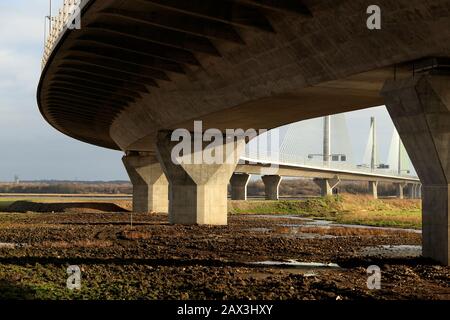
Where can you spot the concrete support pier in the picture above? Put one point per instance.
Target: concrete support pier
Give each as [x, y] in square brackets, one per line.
[198, 190]
[418, 191]
[272, 186]
[410, 191]
[239, 182]
[420, 109]
[373, 189]
[327, 185]
[399, 190]
[150, 186]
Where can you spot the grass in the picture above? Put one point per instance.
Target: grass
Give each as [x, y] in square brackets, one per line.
[5, 203]
[395, 218]
[48, 282]
[104, 276]
[326, 206]
[345, 209]
[28, 203]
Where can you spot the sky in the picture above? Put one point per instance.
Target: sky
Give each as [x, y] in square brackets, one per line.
[33, 150]
[29, 146]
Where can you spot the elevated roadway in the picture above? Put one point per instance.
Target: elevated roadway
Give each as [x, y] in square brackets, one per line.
[138, 69]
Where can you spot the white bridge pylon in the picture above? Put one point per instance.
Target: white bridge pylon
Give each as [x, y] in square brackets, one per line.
[302, 143]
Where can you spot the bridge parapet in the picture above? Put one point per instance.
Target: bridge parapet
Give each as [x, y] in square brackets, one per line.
[293, 160]
[59, 24]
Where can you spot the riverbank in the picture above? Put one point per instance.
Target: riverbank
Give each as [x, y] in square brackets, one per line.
[346, 209]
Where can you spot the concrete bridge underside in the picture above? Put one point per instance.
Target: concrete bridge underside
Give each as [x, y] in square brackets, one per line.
[138, 69]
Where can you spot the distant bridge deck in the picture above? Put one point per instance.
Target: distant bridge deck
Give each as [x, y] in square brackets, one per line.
[262, 167]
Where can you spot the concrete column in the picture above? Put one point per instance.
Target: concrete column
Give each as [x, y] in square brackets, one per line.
[327, 185]
[373, 189]
[272, 186]
[399, 189]
[150, 186]
[239, 182]
[326, 140]
[417, 191]
[420, 109]
[198, 190]
[409, 191]
[414, 192]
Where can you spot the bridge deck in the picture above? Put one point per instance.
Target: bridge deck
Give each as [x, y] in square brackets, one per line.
[261, 167]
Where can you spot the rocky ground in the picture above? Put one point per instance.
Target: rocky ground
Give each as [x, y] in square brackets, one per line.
[154, 260]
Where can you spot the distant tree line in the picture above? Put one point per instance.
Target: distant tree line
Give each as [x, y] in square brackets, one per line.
[288, 187]
[307, 187]
[66, 187]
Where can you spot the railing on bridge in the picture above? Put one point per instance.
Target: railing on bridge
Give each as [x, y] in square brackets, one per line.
[58, 24]
[295, 160]
[66, 15]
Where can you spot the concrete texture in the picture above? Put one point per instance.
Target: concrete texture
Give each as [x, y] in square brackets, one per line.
[140, 67]
[325, 173]
[327, 185]
[272, 186]
[239, 182]
[411, 191]
[198, 192]
[417, 191]
[400, 190]
[373, 189]
[420, 109]
[273, 68]
[150, 186]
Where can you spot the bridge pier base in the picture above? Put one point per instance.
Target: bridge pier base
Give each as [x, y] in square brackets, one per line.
[373, 189]
[399, 189]
[150, 186]
[410, 191]
[416, 188]
[198, 191]
[418, 191]
[272, 186]
[239, 182]
[420, 109]
[326, 185]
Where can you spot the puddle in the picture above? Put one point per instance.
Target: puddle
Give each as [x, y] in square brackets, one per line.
[391, 251]
[297, 264]
[12, 245]
[287, 216]
[264, 230]
[328, 223]
[319, 223]
[355, 226]
[292, 231]
[295, 231]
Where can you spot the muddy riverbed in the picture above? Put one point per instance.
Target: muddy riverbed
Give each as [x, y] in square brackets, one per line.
[254, 257]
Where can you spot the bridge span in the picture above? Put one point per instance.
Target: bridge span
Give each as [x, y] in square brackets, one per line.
[138, 69]
[326, 178]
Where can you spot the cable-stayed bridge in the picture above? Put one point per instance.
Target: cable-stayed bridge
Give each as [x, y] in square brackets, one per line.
[321, 149]
[137, 70]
